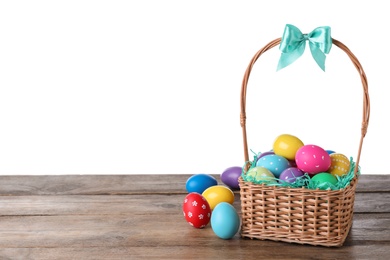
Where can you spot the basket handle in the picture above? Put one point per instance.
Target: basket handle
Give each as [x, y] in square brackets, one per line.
[356, 63]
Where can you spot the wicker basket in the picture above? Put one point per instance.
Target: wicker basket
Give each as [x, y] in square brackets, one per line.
[298, 215]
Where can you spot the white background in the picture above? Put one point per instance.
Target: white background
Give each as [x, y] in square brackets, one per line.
[153, 87]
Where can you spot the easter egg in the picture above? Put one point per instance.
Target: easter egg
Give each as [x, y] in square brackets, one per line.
[217, 194]
[339, 164]
[292, 163]
[196, 210]
[259, 175]
[324, 180]
[200, 182]
[274, 163]
[225, 221]
[287, 145]
[230, 177]
[264, 154]
[291, 174]
[330, 151]
[312, 159]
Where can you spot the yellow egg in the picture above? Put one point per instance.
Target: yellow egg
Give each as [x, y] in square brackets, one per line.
[217, 194]
[339, 164]
[287, 146]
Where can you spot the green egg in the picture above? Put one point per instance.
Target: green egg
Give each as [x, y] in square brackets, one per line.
[260, 174]
[324, 180]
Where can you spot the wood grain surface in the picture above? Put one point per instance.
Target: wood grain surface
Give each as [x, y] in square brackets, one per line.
[140, 217]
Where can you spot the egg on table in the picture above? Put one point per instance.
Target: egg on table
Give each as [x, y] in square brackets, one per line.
[217, 194]
[225, 221]
[196, 210]
[200, 182]
[230, 176]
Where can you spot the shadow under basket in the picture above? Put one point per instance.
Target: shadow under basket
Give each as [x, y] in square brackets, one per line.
[298, 215]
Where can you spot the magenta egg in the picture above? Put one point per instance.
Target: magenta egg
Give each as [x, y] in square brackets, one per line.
[312, 159]
[291, 174]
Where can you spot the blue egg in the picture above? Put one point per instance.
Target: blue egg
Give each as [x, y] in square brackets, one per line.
[200, 182]
[225, 221]
[274, 163]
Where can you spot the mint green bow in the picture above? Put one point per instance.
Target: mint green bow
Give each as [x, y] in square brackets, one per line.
[293, 45]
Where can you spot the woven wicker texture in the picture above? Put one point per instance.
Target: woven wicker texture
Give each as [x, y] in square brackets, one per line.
[298, 215]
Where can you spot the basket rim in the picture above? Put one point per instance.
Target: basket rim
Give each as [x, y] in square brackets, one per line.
[264, 187]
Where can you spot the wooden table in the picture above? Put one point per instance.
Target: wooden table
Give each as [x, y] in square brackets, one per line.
[140, 217]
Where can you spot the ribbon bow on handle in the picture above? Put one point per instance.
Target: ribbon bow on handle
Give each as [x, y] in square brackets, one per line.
[294, 41]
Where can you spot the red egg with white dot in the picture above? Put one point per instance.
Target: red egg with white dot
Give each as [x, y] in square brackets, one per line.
[312, 159]
[196, 210]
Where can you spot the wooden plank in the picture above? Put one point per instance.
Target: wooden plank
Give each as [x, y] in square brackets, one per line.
[227, 250]
[372, 182]
[91, 204]
[171, 237]
[129, 184]
[139, 204]
[92, 184]
[136, 230]
[372, 202]
[139, 216]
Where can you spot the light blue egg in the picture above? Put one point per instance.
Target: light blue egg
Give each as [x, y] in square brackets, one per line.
[274, 163]
[225, 221]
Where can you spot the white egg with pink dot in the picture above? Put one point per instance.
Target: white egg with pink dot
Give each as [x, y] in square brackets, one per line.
[312, 159]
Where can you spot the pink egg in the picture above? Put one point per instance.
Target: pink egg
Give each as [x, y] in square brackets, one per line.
[312, 159]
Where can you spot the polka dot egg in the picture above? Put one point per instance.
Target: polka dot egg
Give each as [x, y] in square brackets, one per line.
[276, 164]
[291, 174]
[312, 159]
[339, 164]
